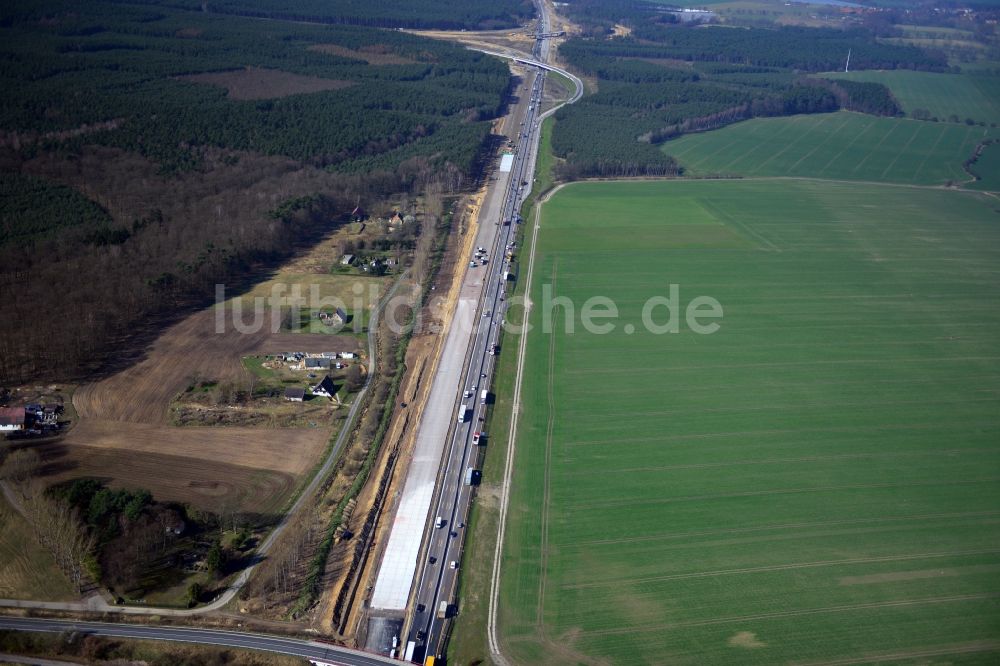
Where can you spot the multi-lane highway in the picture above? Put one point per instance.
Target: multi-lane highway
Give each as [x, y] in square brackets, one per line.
[438, 577]
[434, 594]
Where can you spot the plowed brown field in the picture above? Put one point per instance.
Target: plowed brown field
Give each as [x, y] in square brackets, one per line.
[188, 349]
[123, 438]
[208, 485]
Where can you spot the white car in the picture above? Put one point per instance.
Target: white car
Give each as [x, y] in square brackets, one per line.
[453, 564]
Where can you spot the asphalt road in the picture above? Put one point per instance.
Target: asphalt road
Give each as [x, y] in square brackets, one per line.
[438, 577]
[330, 654]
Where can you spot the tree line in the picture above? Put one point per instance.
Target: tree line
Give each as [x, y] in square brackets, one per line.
[426, 14]
[668, 79]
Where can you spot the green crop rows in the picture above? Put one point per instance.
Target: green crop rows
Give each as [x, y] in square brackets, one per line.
[942, 95]
[819, 480]
[842, 145]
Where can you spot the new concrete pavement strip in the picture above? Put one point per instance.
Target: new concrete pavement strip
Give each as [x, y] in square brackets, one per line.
[399, 561]
[392, 589]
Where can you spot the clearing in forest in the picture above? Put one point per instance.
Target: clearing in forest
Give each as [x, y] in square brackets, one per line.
[261, 83]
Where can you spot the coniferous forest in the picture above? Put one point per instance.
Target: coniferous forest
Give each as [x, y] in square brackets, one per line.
[666, 78]
[145, 144]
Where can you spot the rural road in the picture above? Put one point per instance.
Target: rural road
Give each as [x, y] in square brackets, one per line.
[234, 639]
[97, 602]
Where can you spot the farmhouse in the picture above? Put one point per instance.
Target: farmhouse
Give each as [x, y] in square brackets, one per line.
[11, 419]
[295, 394]
[325, 388]
[317, 363]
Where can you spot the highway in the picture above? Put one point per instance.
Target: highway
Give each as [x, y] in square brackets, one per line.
[322, 652]
[438, 573]
[436, 582]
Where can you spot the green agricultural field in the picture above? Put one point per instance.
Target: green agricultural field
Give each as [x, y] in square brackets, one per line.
[816, 482]
[942, 95]
[842, 145]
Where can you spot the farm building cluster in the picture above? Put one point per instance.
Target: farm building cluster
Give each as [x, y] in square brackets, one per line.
[325, 388]
[299, 361]
[317, 365]
[31, 419]
[375, 265]
[375, 259]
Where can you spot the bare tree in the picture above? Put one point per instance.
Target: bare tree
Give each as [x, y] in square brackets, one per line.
[20, 465]
[58, 529]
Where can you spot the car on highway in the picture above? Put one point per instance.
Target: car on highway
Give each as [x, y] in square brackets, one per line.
[467, 393]
[472, 264]
[487, 313]
[454, 564]
[421, 608]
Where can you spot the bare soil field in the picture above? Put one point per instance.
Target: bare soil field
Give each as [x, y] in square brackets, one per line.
[202, 482]
[188, 349]
[123, 436]
[373, 54]
[258, 83]
[289, 450]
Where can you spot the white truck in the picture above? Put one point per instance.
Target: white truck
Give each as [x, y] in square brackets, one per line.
[463, 413]
[483, 395]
